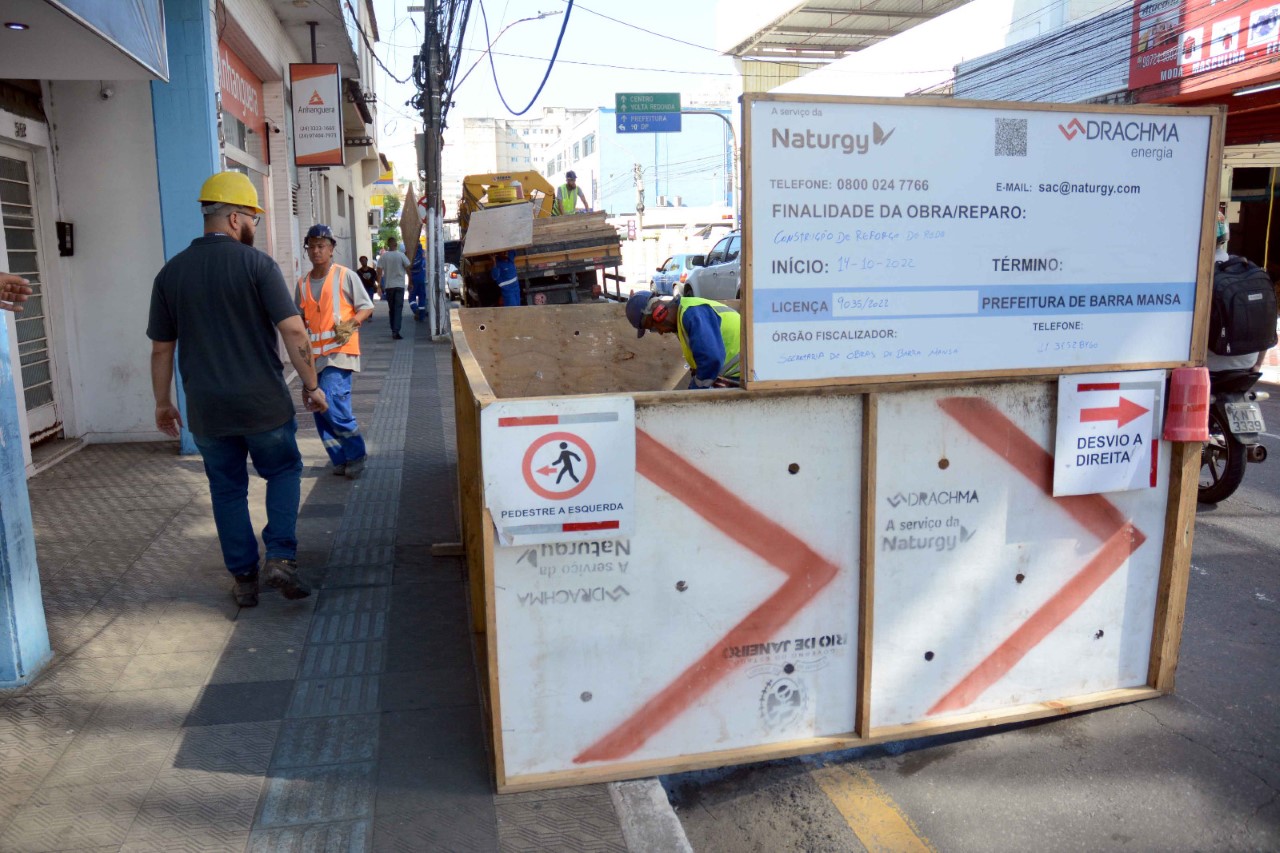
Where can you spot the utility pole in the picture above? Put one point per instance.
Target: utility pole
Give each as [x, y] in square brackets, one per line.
[428, 71]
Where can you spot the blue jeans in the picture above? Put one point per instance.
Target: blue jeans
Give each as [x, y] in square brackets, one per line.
[276, 458]
[338, 429]
[395, 304]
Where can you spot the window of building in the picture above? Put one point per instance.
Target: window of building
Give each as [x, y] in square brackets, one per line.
[588, 144]
[577, 151]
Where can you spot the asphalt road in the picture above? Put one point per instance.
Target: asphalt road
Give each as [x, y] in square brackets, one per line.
[1195, 770]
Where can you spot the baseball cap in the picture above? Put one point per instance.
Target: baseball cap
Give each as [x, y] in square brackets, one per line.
[573, 175]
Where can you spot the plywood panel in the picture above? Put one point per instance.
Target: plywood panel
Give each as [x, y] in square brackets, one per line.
[989, 593]
[729, 620]
[496, 229]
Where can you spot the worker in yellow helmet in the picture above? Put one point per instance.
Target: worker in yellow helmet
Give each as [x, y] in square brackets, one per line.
[224, 301]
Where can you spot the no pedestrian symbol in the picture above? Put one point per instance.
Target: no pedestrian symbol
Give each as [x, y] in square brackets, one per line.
[556, 470]
[559, 466]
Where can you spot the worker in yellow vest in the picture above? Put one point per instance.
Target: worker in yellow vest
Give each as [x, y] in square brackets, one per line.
[710, 334]
[334, 304]
[567, 197]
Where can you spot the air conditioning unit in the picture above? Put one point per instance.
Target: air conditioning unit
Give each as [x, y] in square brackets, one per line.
[375, 217]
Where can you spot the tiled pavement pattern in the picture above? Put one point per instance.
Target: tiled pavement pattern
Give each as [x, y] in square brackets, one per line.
[350, 721]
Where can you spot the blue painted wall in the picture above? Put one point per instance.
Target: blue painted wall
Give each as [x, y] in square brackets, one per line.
[186, 125]
[24, 637]
[692, 164]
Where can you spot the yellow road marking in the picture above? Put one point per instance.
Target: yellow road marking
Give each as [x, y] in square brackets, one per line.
[870, 812]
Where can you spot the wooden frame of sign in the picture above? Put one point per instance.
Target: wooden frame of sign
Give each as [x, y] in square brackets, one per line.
[752, 225]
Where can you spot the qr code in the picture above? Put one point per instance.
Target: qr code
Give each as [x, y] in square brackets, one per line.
[1011, 137]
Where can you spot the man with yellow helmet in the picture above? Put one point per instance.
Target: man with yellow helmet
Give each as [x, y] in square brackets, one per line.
[224, 302]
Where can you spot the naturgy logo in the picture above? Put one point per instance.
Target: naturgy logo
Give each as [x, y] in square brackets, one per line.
[1121, 131]
[849, 143]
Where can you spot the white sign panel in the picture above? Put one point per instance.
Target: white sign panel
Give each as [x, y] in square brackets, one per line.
[317, 114]
[1108, 429]
[556, 470]
[888, 240]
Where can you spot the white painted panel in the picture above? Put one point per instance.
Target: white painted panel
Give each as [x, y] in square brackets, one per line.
[974, 604]
[591, 634]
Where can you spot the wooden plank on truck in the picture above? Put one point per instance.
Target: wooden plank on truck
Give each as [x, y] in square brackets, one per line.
[497, 229]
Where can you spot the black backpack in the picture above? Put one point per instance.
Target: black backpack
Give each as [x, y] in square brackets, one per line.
[1243, 314]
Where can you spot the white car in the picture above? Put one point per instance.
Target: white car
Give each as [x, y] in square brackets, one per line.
[718, 274]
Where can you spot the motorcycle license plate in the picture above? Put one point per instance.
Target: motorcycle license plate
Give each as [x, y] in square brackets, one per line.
[1245, 417]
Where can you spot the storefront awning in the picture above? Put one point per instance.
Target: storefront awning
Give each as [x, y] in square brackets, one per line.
[84, 40]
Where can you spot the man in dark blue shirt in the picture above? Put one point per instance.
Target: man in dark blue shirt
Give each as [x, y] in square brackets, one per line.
[224, 301]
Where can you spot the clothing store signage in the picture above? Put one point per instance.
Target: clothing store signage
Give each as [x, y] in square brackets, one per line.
[317, 114]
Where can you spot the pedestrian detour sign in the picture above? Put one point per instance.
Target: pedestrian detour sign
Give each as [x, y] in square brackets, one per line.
[1108, 432]
[560, 470]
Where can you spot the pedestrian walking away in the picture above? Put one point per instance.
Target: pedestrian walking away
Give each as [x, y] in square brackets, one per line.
[368, 277]
[334, 305]
[418, 285]
[709, 333]
[393, 270]
[218, 304]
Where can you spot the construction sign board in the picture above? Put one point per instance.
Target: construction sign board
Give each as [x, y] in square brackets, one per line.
[728, 619]
[1108, 436]
[990, 592]
[911, 240]
[317, 114]
[560, 470]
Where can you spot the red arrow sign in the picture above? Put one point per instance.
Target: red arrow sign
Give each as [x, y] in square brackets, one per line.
[547, 471]
[1126, 411]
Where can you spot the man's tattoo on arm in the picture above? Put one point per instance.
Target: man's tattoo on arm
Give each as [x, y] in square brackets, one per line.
[304, 352]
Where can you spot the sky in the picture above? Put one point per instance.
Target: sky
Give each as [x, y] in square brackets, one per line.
[598, 58]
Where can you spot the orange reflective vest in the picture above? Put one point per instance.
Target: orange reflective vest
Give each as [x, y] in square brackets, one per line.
[322, 316]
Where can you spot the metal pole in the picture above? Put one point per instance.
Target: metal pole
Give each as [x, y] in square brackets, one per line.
[313, 25]
[737, 186]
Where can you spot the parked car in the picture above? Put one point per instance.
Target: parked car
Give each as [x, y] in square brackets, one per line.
[718, 274]
[452, 281]
[673, 272]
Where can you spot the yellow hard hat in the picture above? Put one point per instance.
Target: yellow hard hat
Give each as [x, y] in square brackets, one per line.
[230, 188]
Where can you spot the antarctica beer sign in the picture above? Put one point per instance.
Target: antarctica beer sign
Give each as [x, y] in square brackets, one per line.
[559, 470]
[902, 239]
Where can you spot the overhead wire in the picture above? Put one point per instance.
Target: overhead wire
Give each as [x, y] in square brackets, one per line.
[550, 64]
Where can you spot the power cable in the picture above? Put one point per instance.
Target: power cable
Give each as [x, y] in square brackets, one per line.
[642, 29]
[550, 65]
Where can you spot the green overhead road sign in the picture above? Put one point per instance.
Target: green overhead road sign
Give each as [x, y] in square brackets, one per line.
[648, 102]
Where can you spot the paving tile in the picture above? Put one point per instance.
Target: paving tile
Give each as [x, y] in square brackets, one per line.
[327, 740]
[329, 660]
[203, 840]
[444, 687]
[240, 702]
[353, 600]
[27, 762]
[323, 697]
[82, 816]
[301, 795]
[256, 664]
[11, 800]
[79, 675]
[346, 837]
[178, 669]
[588, 823]
[102, 756]
[197, 801]
[138, 710]
[346, 627]
[243, 748]
[33, 716]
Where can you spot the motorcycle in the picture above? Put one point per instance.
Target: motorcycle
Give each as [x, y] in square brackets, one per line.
[1235, 421]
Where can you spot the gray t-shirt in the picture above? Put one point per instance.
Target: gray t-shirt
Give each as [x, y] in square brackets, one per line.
[221, 301]
[395, 267]
[358, 297]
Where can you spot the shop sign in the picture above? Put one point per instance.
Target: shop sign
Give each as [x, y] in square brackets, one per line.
[317, 114]
[1202, 46]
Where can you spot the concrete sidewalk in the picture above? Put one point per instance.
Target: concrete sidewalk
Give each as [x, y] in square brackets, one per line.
[350, 721]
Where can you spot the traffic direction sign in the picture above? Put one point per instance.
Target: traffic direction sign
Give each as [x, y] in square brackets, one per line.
[648, 102]
[648, 122]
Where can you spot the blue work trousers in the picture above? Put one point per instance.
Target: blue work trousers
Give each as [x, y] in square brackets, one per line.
[337, 427]
[276, 458]
[418, 300]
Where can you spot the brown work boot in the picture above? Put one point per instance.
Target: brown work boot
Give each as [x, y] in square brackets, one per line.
[282, 574]
[246, 590]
